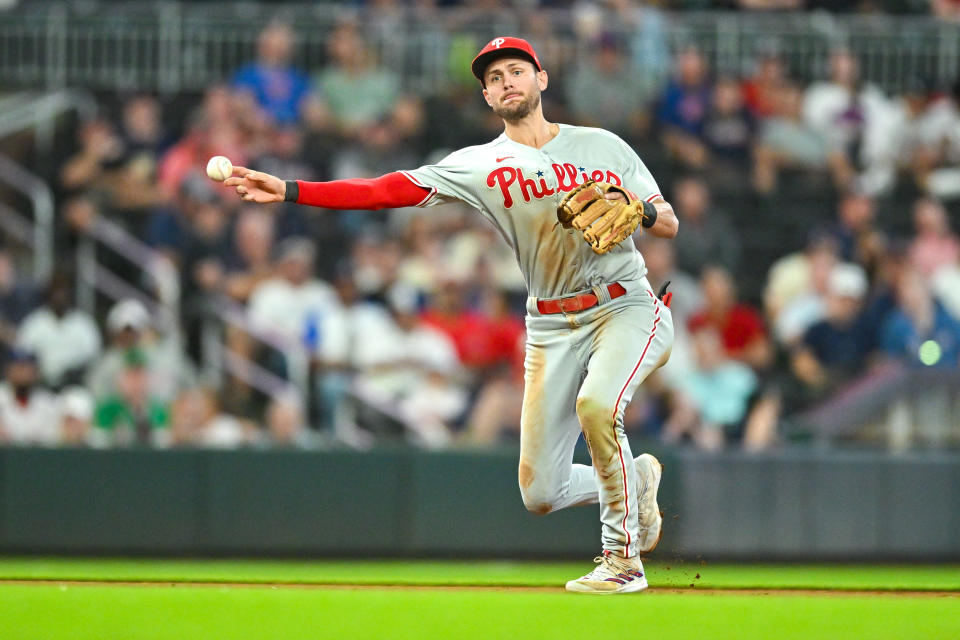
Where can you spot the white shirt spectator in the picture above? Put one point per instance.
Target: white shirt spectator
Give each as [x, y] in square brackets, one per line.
[33, 422]
[829, 109]
[309, 314]
[61, 344]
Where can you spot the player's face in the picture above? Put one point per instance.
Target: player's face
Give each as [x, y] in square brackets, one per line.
[513, 87]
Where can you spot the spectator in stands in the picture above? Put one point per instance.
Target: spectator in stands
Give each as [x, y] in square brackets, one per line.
[761, 91]
[29, 414]
[408, 370]
[129, 327]
[76, 417]
[647, 29]
[786, 141]
[798, 287]
[286, 423]
[739, 325]
[919, 331]
[299, 313]
[279, 89]
[708, 237]
[382, 144]
[835, 350]
[221, 126]
[99, 147]
[858, 238]
[713, 401]
[126, 323]
[597, 95]
[683, 109]
[17, 299]
[143, 141]
[65, 339]
[353, 72]
[196, 419]
[934, 244]
[119, 164]
[297, 309]
[469, 330]
[857, 119]
[728, 128]
[376, 261]
[132, 415]
[497, 408]
[933, 146]
[248, 261]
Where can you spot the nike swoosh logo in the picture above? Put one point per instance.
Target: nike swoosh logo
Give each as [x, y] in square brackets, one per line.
[503, 158]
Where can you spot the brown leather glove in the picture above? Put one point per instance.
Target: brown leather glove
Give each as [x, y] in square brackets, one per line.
[604, 223]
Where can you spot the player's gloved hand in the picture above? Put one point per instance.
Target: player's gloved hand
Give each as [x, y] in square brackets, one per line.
[605, 222]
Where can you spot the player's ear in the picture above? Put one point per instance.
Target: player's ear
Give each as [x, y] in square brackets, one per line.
[542, 79]
[486, 96]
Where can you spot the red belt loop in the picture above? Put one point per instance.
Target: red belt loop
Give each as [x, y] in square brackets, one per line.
[578, 302]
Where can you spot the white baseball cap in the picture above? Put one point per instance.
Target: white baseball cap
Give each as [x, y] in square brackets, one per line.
[848, 281]
[76, 402]
[128, 314]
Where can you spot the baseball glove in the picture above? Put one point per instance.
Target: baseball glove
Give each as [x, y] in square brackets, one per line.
[604, 223]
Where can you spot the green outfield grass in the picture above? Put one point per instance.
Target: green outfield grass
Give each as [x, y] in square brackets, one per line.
[174, 609]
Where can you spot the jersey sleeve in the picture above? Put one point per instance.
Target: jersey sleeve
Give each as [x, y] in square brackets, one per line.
[451, 179]
[637, 177]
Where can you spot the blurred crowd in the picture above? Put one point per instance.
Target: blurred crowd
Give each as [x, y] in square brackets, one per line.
[410, 321]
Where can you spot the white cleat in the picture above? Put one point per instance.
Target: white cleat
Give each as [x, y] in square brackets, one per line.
[612, 575]
[649, 471]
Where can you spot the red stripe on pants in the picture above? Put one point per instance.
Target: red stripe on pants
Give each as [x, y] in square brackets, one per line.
[616, 407]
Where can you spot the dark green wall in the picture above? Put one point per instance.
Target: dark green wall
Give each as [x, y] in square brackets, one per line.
[802, 505]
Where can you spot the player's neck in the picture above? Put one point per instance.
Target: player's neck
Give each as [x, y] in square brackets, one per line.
[533, 131]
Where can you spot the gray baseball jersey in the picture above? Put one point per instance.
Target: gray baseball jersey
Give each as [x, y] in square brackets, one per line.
[582, 368]
[518, 188]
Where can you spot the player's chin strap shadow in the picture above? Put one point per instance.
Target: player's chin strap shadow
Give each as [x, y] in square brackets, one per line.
[664, 295]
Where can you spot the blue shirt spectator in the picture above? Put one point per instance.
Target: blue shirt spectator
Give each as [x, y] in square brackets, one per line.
[904, 340]
[686, 99]
[280, 92]
[278, 88]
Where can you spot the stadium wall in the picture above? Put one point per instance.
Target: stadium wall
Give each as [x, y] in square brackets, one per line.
[799, 505]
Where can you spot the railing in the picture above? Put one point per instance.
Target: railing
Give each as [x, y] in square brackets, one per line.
[172, 47]
[895, 407]
[28, 111]
[41, 228]
[226, 312]
[38, 112]
[93, 277]
[164, 304]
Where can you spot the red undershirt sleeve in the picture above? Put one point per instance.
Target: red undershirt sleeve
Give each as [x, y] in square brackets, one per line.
[386, 192]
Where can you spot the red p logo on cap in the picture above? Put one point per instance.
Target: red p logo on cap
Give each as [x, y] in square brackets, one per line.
[500, 48]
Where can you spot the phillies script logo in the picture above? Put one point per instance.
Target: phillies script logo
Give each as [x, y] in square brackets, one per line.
[568, 177]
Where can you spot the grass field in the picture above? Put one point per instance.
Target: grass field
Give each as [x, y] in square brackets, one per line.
[166, 599]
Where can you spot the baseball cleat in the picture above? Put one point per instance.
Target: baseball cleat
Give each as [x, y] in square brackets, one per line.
[612, 575]
[649, 471]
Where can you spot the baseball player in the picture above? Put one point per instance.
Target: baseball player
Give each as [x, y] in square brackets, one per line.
[566, 199]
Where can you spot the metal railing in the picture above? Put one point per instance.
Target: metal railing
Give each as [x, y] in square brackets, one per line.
[894, 406]
[36, 113]
[163, 279]
[226, 312]
[172, 47]
[164, 304]
[40, 229]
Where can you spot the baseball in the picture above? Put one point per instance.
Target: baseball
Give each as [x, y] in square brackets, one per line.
[219, 168]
